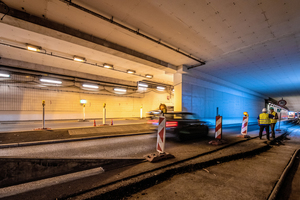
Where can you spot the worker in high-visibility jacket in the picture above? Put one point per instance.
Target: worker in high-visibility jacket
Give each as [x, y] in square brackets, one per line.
[273, 121]
[264, 122]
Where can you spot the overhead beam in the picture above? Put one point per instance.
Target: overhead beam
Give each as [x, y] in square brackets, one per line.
[50, 28]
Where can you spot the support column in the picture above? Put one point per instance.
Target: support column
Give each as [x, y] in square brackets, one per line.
[178, 91]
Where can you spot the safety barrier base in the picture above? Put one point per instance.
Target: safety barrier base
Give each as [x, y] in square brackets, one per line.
[244, 136]
[217, 142]
[155, 157]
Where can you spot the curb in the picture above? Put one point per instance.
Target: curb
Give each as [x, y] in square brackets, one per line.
[21, 144]
[279, 183]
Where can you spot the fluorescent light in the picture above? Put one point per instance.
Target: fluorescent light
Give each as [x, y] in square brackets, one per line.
[4, 75]
[160, 88]
[79, 59]
[142, 85]
[129, 71]
[82, 101]
[149, 76]
[120, 90]
[90, 86]
[33, 48]
[108, 66]
[50, 81]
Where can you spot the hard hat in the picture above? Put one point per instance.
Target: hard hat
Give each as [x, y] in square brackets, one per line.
[271, 108]
[264, 110]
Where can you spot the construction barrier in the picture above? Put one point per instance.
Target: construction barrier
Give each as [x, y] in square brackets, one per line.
[244, 130]
[161, 134]
[218, 130]
[160, 146]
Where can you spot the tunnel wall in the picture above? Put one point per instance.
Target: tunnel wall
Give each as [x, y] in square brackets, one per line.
[20, 103]
[203, 97]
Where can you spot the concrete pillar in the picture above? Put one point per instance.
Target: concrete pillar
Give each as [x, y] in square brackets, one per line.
[178, 91]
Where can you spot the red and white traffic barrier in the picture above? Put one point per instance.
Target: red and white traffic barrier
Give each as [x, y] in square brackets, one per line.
[218, 131]
[244, 130]
[160, 146]
[161, 134]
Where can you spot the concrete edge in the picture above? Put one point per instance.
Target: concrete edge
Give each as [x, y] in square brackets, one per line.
[279, 183]
[26, 187]
[21, 144]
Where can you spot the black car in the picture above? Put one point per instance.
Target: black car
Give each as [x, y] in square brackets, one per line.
[185, 125]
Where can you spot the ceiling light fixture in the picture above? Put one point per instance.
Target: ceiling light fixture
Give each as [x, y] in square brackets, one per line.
[160, 88]
[33, 47]
[79, 59]
[50, 81]
[142, 85]
[129, 71]
[90, 86]
[82, 101]
[120, 90]
[4, 75]
[149, 76]
[108, 66]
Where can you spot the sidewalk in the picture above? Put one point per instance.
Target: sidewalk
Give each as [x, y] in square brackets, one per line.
[16, 126]
[25, 138]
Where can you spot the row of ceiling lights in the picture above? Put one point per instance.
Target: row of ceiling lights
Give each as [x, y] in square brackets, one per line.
[89, 86]
[82, 59]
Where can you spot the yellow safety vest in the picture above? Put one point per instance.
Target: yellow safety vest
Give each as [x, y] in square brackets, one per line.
[273, 120]
[264, 118]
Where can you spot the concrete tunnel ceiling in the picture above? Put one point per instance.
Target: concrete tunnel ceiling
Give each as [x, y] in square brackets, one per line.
[253, 44]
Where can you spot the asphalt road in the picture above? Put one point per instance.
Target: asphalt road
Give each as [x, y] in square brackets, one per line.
[130, 146]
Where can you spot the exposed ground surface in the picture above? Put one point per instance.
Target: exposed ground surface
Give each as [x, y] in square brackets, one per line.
[249, 178]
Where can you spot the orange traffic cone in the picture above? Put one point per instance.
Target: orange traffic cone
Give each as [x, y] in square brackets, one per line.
[111, 122]
[94, 122]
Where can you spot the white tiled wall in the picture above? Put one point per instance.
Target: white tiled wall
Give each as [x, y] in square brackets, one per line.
[26, 104]
[203, 98]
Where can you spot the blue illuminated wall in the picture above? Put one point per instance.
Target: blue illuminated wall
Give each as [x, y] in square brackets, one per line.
[203, 97]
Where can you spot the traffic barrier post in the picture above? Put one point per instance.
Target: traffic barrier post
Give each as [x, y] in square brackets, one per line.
[83, 110]
[43, 128]
[244, 129]
[141, 112]
[104, 114]
[160, 144]
[218, 130]
[161, 134]
[279, 123]
[43, 103]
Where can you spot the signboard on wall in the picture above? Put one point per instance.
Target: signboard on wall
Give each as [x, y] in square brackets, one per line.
[282, 102]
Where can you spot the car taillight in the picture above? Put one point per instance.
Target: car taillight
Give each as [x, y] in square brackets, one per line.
[153, 122]
[171, 124]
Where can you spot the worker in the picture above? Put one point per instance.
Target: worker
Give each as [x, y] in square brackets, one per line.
[273, 121]
[264, 122]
